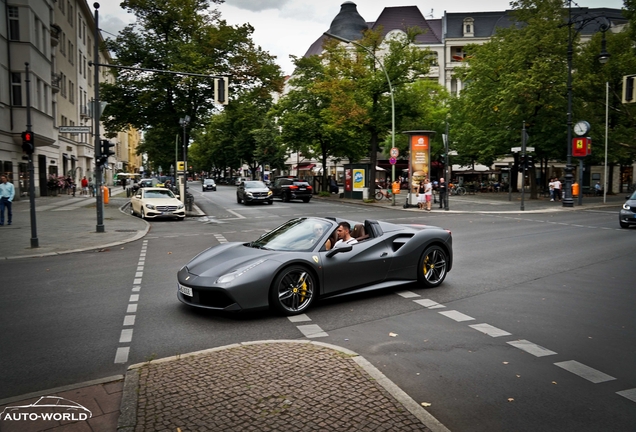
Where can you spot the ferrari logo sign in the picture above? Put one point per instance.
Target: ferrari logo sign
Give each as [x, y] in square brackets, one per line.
[581, 147]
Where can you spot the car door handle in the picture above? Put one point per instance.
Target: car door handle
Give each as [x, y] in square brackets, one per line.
[383, 254]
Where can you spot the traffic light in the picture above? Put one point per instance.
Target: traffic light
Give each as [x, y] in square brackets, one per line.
[529, 162]
[628, 89]
[522, 162]
[27, 142]
[221, 90]
[105, 151]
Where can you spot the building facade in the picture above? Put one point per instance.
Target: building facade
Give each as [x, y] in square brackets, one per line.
[56, 39]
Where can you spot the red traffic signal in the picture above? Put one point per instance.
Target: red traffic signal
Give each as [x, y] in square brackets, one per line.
[27, 142]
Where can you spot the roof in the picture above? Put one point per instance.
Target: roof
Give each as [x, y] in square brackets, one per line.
[485, 23]
[403, 17]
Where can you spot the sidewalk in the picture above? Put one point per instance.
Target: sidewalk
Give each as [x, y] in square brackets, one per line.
[266, 385]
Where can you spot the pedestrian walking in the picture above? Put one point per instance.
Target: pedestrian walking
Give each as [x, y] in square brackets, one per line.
[84, 186]
[421, 198]
[441, 187]
[551, 187]
[557, 189]
[7, 192]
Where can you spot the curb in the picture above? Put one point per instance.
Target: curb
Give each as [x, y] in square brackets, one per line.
[128, 417]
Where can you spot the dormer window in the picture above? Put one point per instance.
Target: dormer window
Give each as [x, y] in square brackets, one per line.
[469, 27]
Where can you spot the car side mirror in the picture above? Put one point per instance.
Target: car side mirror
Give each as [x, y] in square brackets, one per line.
[177, 197]
[138, 196]
[339, 249]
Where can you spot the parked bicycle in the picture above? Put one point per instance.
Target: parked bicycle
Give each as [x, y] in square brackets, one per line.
[457, 190]
[382, 194]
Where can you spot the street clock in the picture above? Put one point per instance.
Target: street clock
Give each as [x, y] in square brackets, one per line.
[581, 128]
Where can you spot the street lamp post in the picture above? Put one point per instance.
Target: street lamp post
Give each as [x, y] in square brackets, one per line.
[184, 122]
[603, 57]
[388, 80]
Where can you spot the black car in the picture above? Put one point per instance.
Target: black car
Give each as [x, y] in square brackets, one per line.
[291, 188]
[208, 184]
[291, 266]
[252, 191]
[627, 215]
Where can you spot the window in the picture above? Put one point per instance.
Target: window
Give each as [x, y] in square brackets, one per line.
[14, 23]
[37, 34]
[70, 13]
[61, 4]
[469, 27]
[16, 89]
[71, 53]
[80, 64]
[63, 44]
[71, 91]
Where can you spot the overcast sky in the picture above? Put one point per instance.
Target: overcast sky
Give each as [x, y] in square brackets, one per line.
[284, 27]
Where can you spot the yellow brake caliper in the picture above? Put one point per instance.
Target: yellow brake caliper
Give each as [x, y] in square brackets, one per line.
[303, 289]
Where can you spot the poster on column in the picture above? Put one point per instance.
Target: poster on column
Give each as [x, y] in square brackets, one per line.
[420, 159]
[358, 180]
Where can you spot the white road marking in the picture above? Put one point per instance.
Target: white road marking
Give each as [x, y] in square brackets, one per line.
[429, 304]
[137, 281]
[126, 336]
[584, 371]
[139, 274]
[299, 318]
[136, 288]
[140, 268]
[407, 294]
[312, 331]
[629, 394]
[489, 330]
[134, 298]
[531, 348]
[457, 316]
[129, 320]
[122, 354]
[132, 308]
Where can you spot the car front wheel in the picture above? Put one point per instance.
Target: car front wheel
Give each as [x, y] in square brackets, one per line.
[294, 289]
[238, 200]
[432, 267]
[142, 214]
[623, 224]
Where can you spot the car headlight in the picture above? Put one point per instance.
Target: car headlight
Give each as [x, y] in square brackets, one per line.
[626, 206]
[249, 194]
[150, 206]
[229, 277]
[269, 193]
[180, 206]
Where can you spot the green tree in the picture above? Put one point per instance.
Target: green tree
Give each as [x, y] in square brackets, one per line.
[183, 36]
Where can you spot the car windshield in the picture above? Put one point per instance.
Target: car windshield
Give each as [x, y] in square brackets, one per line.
[633, 197]
[209, 181]
[159, 194]
[254, 184]
[295, 235]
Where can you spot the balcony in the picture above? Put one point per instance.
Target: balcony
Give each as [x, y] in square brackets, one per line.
[55, 34]
[55, 82]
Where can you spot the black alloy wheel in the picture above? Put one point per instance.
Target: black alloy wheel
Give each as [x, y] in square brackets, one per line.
[432, 269]
[294, 289]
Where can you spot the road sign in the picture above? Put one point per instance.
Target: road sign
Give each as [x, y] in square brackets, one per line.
[392, 161]
[395, 152]
[75, 129]
[518, 149]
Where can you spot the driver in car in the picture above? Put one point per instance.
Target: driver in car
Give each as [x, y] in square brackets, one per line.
[344, 235]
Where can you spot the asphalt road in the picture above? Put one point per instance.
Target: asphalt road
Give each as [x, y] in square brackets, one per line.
[561, 283]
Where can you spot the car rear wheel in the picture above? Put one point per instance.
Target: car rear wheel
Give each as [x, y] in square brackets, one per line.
[432, 268]
[132, 210]
[306, 200]
[294, 289]
[285, 197]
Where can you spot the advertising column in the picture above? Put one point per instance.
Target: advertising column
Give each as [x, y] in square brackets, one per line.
[419, 160]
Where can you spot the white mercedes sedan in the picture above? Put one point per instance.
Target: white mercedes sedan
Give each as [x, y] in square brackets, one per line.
[151, 203]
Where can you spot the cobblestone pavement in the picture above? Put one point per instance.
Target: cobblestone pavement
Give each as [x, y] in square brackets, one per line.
[267, 386]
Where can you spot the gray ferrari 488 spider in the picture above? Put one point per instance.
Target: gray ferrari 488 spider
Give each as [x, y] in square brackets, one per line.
[291, 266]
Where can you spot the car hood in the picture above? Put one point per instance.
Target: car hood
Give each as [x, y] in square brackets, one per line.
[161, 201]
[225, 258]
[256, 189]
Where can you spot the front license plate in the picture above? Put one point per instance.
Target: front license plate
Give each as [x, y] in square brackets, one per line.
[185, 290]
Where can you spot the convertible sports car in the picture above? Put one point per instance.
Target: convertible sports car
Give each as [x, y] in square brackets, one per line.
[291, 266]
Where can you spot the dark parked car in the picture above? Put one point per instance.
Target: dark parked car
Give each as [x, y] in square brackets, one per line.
[291, 266]
[252, 191]
[627, 215]
[291, 188]
[208, 184]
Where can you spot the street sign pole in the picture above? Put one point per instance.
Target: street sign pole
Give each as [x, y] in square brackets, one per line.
[523, 168]
[96, 114]
[34, 229]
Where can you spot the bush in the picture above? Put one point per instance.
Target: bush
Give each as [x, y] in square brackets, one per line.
[324, 194]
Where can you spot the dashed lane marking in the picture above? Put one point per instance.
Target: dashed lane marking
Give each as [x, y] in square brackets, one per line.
[407, 294]
[531, 348]
[629, 394]
[584, 371]
[489, 330]
[312, 331]
[457, 316]
[427, 303]
[299, 318]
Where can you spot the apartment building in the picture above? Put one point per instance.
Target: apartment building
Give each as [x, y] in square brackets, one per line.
[56, 39]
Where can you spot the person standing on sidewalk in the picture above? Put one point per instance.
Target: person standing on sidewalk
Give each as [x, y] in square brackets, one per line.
[441, 187]
[428, 193]
[7, 192]
[557, 189]
[84, 186]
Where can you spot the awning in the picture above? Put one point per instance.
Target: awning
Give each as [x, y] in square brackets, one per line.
[64, 155]
[73, 157]
[305, 167]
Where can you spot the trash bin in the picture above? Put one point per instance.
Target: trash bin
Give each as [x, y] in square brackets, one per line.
[575, 189]
[105, 194]
[365, 193]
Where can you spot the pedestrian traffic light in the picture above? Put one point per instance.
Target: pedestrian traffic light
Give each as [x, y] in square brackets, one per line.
[522, 162]
[628, 89]
[27, 142]
[105, 151]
